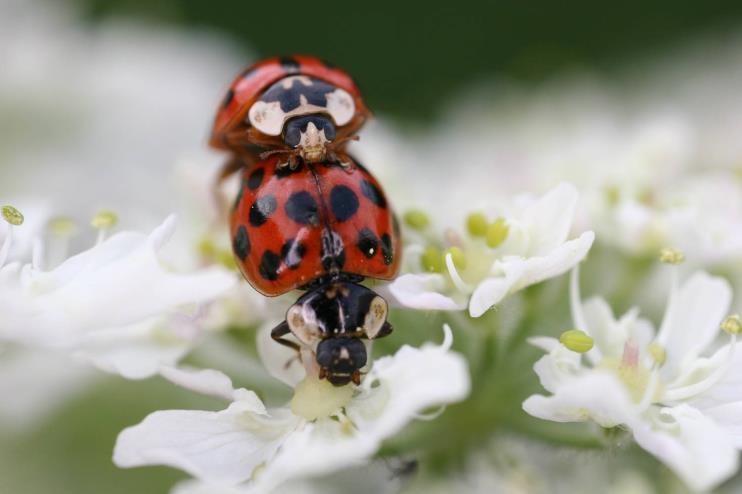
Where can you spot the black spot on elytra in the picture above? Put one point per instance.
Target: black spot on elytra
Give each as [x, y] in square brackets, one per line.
[302, 208]
[289, 63]
[343, 202]
[241, 243]
[292, 252]
[269, 264]
[290, 98]
[228, 98]
[373, 193]
[262, 209]
[367, 243]
[386, 249]
[255, 178]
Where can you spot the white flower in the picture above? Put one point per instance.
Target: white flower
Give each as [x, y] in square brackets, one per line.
[533, 246]
[672, 390]
[115, 304]
[322, 430]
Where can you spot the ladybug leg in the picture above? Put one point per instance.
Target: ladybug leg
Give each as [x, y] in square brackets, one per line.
[278, 334]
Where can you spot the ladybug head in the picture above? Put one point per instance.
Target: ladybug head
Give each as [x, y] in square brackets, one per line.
[340, 360]
[335, 317]
[310, 136]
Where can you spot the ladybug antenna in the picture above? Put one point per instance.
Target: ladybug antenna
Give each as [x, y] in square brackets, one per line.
[290, 152]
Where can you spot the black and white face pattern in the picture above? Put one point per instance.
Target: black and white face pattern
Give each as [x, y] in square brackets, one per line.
[299, 95]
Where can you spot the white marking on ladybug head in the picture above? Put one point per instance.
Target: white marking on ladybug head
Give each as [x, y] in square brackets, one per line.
[344, 354]
[313, 144]
[303, 323]
[375, 318]
[340, 106]
[269, 118]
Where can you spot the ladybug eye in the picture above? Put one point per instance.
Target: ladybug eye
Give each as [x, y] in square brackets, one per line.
[292, 135]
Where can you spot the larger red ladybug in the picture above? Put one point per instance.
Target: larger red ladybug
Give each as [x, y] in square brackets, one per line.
[298, 106]
[321, 227]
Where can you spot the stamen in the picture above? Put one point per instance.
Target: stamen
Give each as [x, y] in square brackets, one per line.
[14, 218]
[575, 300]
[103, 221]
[732, 324]
[458, 256]
[432, 260]
[460, 284]
[496, 233]
[476, 224]
[664, 332]
[669, 255]
[12, 215]
[658, 353]
[576, 340]
[416, 219]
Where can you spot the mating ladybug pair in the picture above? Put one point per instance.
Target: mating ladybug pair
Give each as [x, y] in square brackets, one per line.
[307, 214]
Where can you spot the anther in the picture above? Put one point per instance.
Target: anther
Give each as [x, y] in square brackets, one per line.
[576, 340]
[668, 255]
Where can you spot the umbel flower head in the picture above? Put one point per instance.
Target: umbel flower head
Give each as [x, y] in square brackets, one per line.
[323, 429]
[675, 390]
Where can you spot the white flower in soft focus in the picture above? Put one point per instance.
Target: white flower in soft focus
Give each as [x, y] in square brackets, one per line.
[677, 391]
[323, 429]
[115, 304]
[526, 246]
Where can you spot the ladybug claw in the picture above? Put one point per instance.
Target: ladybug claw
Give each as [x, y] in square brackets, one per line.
[356, 378]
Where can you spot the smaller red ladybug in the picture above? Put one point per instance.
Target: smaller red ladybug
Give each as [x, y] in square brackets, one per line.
[299, 107]
[320, 227]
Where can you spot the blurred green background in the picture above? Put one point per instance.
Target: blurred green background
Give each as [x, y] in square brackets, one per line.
[408, 57]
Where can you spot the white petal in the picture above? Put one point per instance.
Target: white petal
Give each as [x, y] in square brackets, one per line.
[116, 283]
[423, 292]
[205, 381]
[691, 444]
[519, 272]
[597, 396]
[729, 418]
[280, 361]
[218, 447]
[136, 351]
[550, 218]
[726, 390]
[559, 367]
[394, 392]
[694, 317]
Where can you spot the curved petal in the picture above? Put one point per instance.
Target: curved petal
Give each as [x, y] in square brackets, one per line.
[222, 448]
[697, 309]
[280, 361]
[422, 291]
[550, 218]
[691, 445]
[597, 396]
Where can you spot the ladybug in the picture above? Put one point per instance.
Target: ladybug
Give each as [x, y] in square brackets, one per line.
[321, 227]
[297, 107]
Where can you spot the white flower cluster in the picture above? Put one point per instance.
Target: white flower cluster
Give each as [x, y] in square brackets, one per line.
[507, 195]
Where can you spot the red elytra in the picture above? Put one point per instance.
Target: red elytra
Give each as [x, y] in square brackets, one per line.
[293, 227]
[252, 82]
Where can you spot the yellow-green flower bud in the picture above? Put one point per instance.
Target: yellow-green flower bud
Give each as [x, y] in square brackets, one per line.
[576, 340]
[657, 352]
[416, 219]
[669, 255]
[476, 223]
[104, 220]
[496, 233]
[432, 260]
[732, 324]
[12, 215]
[458, 257]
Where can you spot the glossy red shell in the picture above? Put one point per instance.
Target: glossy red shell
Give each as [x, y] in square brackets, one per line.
[253, 81]
[281, 218]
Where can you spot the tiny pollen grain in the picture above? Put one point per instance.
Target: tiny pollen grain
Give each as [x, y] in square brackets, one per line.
[104, 219]
[732, 324]
[12, 215]
[669, 255]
